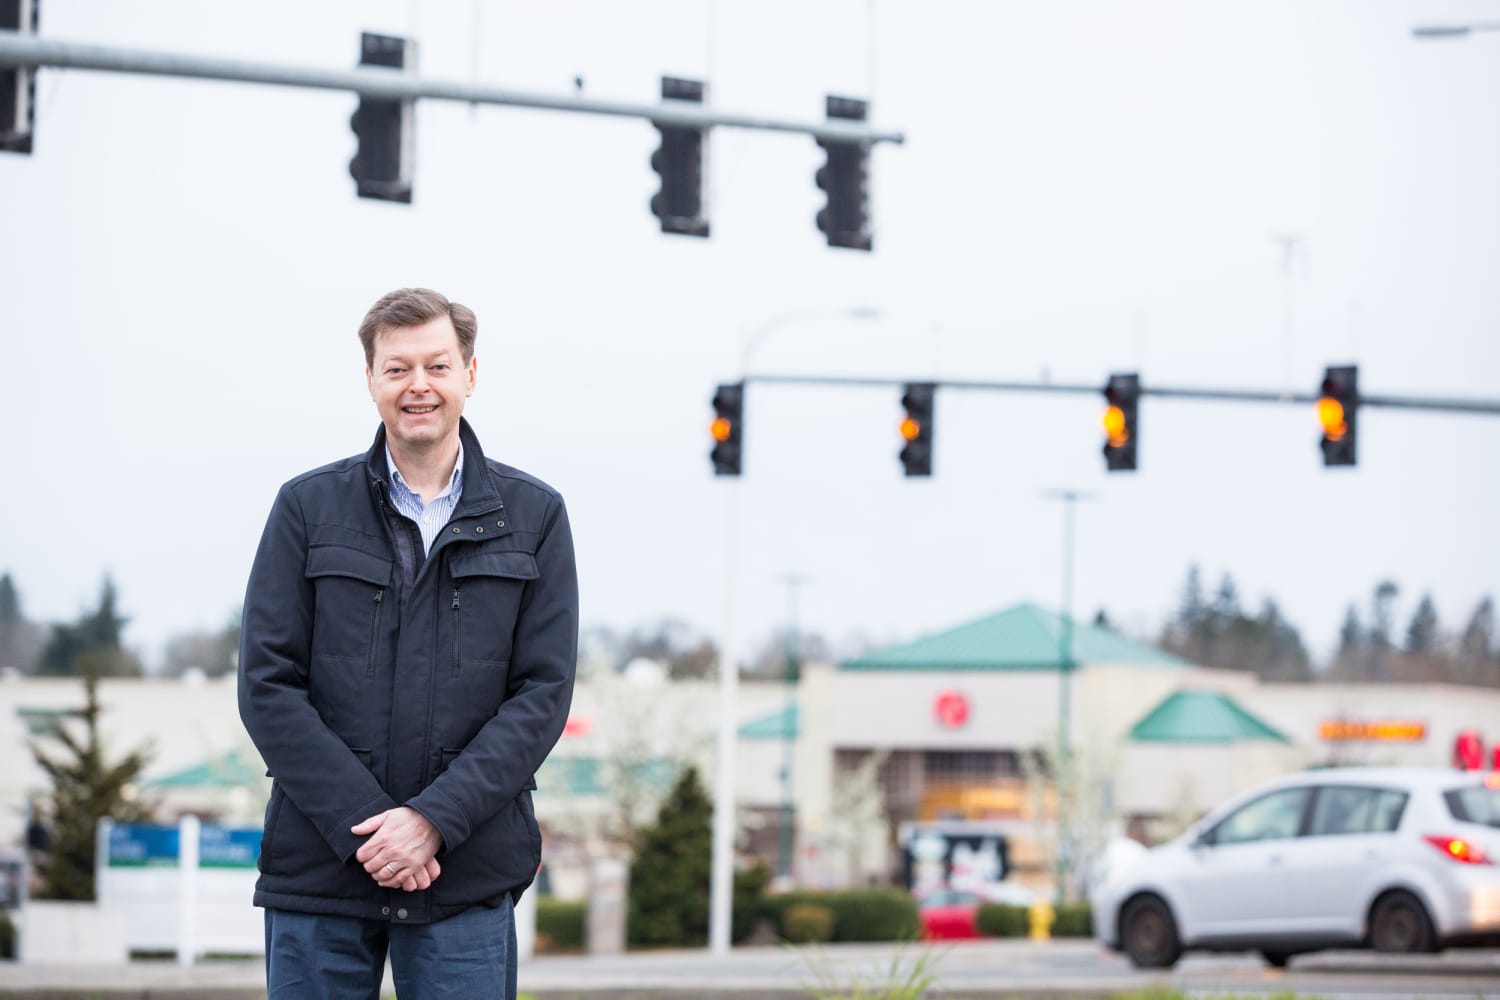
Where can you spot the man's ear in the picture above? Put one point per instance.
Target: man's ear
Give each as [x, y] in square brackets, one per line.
[473, 368]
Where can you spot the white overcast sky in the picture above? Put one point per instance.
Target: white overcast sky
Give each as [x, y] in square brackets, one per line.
[1086, 188]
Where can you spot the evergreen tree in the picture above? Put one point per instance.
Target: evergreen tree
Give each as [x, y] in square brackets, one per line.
[1478, 660]
[669, 878]
[1382, 621]
[1422, 635]
[96, 634]
[85, 789]
[1349, 658]
[20, 640]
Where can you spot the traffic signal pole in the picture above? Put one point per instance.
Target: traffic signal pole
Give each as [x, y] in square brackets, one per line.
[17, 49]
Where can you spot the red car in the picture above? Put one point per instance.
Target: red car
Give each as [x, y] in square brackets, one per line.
[948, 915]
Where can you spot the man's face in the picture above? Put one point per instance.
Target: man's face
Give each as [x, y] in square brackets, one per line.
[419, 382]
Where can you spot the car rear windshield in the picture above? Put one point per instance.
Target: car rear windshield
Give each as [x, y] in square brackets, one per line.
[1475, 804]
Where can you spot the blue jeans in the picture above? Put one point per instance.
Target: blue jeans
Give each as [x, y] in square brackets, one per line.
[312, 956]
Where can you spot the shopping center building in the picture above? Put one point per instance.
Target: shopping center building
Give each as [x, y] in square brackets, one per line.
[961, 726]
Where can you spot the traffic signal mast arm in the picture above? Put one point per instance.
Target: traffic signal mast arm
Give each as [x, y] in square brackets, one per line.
[18, 49]
[1449, 405]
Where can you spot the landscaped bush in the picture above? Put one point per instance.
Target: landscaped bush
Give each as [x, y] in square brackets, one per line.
[745, 909]
[858, 914]
[1074, 920]
[1002, 920]
[560, 924]
[807, 923]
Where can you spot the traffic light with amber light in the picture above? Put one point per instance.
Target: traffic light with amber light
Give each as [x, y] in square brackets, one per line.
[916, 428]
[845, 177]
[1338, 405]
[679, 161]
[382, 164]
[17, 83]
[1122, 395]
[727, 429]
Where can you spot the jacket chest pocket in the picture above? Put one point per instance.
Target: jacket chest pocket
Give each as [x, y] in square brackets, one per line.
[351, 588]
[489, 589]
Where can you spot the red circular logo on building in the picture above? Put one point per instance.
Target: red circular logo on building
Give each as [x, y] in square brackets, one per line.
[951, 709]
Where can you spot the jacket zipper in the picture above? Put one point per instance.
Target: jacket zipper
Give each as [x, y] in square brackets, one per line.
[375, 630]
[457, 634]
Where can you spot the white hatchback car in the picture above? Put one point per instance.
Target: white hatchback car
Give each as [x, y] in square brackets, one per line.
[1397, 859]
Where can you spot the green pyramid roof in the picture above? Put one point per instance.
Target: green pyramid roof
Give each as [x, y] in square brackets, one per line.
[1202, 717]
[782, 725]
[229, 771]
[1024, 637]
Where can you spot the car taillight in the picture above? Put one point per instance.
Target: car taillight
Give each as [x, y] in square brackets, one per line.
[1459, 849]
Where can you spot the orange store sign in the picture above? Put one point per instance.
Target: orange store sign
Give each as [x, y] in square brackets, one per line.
[1378, 731]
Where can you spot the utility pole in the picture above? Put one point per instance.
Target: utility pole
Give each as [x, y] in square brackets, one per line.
[791, 675]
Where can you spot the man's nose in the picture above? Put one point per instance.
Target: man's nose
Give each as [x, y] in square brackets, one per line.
[418, 380]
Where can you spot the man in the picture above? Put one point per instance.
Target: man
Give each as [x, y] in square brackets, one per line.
[406, 662]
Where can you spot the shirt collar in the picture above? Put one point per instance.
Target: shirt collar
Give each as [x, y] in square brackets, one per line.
[455, 482]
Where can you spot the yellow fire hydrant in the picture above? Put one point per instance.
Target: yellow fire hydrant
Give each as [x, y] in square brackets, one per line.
[1041, 917]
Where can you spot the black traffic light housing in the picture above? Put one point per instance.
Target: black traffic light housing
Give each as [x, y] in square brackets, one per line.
[18, 83]
[1338, 406]
[382, 164]
[1122, 426]
[916, 428]
[679, 161]
[727, 429]
[845, 177]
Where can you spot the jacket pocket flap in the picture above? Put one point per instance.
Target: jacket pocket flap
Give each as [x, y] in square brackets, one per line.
[337, 560]
[515, 565]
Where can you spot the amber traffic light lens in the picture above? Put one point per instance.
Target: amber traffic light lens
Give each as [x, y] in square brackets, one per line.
[1114, 426]
[1331, 416]
[910, 429]
[720, 429]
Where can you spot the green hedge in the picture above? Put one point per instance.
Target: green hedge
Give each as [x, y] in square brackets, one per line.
[1002, 920]
[807, 923]
[858, 914]
[1073, 920]
[560, 924]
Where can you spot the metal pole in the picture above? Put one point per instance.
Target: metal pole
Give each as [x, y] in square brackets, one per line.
[721, 882]
[23, 50]
[791, 674]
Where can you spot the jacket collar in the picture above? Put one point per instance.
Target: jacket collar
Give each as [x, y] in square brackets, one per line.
[479, 494]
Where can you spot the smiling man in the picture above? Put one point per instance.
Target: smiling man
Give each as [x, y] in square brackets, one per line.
[406, 663]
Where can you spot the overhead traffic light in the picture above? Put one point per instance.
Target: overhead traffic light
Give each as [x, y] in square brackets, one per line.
[1338, 405]
[916, 428]
[727, 430]
[17, 83]
[1121, 422]
[845, 220]
[679, 161]
[382, 165]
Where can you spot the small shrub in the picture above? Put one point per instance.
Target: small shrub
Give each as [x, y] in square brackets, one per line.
[560, 924]
[7, 937]
[858, 914]
[749, 892]
[1003, 920]
[1074, 920]
[807, 923]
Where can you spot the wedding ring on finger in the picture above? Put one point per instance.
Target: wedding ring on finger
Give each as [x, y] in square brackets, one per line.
[389, 868]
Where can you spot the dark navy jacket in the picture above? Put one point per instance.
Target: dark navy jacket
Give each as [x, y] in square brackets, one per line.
[364, 690]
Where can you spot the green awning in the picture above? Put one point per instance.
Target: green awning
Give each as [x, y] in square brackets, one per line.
[782, 725]
[1202, 717]
[1024, 637]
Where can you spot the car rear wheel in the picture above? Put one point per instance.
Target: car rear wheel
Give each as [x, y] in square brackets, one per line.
[1277, 959]
[1399, 923]
[1148, 934]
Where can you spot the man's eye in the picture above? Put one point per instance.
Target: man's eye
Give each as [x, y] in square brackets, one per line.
[439, 368]
[395, 371]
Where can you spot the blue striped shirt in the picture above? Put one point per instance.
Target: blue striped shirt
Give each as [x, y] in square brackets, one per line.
[431, 516]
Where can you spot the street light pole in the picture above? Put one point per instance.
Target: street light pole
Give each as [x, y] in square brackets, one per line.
[791, 675]
[721, 877]
[1063, 779]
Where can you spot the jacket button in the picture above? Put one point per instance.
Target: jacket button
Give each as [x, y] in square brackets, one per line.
[499, 524]
[401, 913]
[479, 529]
[457, 530]
[385, 911]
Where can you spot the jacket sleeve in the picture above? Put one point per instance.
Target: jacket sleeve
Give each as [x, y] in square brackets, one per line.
[503, 757]
[319, 774]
